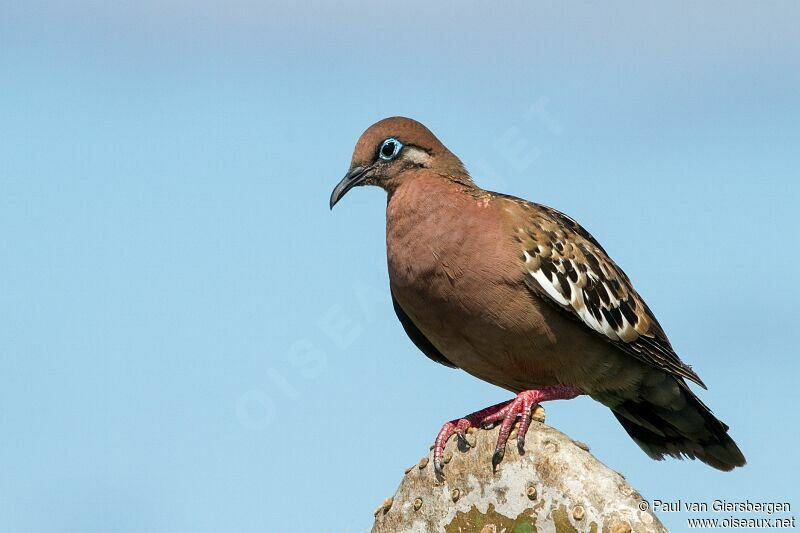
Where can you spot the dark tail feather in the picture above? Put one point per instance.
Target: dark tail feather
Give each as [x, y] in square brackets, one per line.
[681, 427]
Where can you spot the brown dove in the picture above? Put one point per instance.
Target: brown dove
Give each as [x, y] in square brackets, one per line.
[521, 296]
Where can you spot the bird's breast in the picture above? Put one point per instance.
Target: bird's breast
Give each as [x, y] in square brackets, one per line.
[442, 242]
[452, 272]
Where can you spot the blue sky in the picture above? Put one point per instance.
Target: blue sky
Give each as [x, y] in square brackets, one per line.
[191, 341]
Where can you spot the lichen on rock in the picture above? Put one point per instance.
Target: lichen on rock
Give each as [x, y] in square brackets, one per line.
[555, 486]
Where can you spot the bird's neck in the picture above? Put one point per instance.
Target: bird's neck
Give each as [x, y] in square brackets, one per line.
[428, 196]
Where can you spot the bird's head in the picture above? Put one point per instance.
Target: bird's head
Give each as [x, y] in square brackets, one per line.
[389, 152]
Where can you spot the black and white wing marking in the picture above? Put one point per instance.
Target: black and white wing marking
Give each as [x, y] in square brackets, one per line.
[567, 266]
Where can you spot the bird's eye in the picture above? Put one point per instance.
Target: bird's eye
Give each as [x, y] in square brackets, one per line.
[390, 148]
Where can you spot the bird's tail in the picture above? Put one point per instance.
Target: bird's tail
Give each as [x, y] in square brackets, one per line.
[669, 419]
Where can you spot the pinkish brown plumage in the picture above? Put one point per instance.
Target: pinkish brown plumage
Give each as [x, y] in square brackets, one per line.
[521, 296]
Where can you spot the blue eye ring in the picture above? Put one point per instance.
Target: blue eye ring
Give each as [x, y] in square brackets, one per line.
[389, 149]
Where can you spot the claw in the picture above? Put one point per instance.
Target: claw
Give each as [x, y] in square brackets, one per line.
[461, 435]
[438, 469]
[497, 456]
[505, 413]
[438, 447]
[521, 444]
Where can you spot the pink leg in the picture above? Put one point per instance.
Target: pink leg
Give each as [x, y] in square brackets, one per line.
[506, 413]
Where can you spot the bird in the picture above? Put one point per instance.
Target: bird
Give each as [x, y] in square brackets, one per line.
[521, 296]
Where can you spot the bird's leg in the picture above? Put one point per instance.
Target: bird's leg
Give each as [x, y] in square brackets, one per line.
[506, 413]
[522, 406]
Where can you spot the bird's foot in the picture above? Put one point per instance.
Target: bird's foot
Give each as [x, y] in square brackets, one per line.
[460, 427]
[505, 413]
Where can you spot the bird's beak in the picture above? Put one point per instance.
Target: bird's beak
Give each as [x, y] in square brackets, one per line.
[356, 176]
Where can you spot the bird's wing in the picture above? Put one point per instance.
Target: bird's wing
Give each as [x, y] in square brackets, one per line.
[417, 337]
[568, 267]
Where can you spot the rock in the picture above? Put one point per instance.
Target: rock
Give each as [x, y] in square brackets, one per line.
[556, 485]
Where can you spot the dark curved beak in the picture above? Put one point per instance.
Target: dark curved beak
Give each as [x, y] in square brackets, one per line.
[356, 176]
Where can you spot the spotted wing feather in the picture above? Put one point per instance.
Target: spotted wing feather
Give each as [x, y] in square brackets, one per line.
[568, 267]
